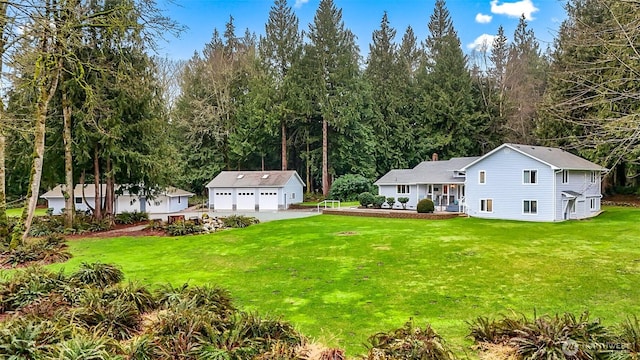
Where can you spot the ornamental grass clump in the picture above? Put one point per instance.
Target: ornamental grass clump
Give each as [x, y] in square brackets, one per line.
[409, 342]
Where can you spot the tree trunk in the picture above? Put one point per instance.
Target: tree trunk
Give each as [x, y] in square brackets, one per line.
[284, 145]
[4, 222]
[97, 211]
[109, 191]
[309, 188]
[21, 231]
[69, 196]
[325, 159]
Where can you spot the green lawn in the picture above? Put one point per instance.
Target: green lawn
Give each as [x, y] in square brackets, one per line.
[18, 211]
[341, 279]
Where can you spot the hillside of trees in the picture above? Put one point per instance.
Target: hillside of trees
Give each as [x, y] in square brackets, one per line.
[86, 103]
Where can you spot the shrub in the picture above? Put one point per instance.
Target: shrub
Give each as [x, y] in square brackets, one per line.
[239, 221]
[366, 198]
[347, 187]
[409, 342]
[403, 201]
[378, 200]
[629, 333]
[425, 206]
[131, 217]
[98, 274]
[113, 318]
[180, 228]
[545, 337]
[390, 201]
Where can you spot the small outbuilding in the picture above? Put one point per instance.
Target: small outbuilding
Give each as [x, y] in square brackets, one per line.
[167, 201]
[255, 190]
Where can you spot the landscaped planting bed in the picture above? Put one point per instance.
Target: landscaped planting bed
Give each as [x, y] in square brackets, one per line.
[341, 279]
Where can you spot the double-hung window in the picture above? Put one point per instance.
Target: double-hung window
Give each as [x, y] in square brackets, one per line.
[593, 177]
[530, 177]
[486, 205]
[402, 189]
[482, 177]
[530, 206]
[565, 176]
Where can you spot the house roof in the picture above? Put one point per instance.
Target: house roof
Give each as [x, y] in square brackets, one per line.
[556, 158]
[90, 191]
[247, 179]
[428, 172]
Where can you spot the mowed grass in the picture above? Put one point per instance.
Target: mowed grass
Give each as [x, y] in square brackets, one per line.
[342, 279]
[16, 212]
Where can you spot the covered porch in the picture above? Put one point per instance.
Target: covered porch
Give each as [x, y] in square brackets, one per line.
[445, 197]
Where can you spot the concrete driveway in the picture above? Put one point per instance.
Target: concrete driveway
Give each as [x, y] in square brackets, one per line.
[263, 216]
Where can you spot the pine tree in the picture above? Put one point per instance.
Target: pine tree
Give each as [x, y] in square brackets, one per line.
[447, 102]
[279, 50]
[383, 73]
[334, 57]
[525, 73]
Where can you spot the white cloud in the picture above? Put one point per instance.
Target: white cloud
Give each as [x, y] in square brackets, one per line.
[299, 3]
[483, 19]
[482, 43]
[514, 9]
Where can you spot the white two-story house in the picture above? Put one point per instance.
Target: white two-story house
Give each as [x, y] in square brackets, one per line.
[517, 182]
[537, 183]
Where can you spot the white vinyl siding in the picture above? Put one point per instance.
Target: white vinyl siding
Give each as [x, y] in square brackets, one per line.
[506, 188]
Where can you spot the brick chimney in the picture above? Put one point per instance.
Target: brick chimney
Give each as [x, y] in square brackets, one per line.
[434, 157]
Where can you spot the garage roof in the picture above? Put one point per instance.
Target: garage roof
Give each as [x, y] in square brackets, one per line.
[250, 179]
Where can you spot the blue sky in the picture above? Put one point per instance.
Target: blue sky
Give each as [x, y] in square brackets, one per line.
[474, 20]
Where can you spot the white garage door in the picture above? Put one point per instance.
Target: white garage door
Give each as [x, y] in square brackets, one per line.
[268, 199]
[246, 199]
[222, 200]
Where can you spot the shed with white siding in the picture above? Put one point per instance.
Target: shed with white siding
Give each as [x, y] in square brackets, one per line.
[168, 200]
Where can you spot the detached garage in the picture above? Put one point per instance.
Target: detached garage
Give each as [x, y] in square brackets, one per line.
[255, 190]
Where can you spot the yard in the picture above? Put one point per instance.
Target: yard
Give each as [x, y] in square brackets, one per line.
[16, 212]
[341, 279]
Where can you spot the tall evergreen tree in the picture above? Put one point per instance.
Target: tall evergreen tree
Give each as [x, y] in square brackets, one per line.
[334, 72]
[447, 102]
[279, 50]
[383, 73]
[525, 73]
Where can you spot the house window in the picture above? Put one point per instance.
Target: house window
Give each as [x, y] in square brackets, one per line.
[593, 177]
[78, 200]
[402, 189]
[530, 207]
[594, 204]
[482, 177]
[293, 195]
[486, 205]
[530, 176]
[565, 176]
[178, 199]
